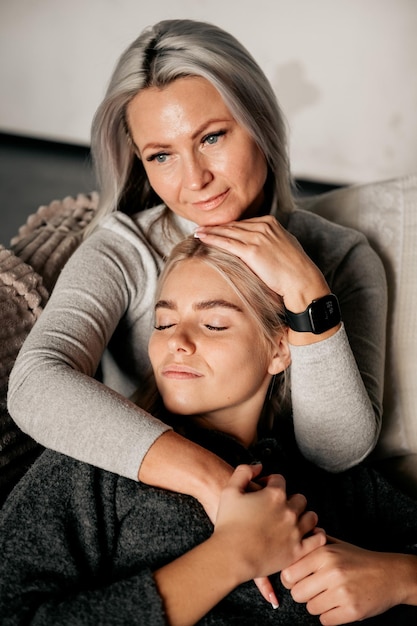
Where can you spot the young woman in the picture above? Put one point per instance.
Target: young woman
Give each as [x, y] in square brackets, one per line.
[84, 546]
[190, 135]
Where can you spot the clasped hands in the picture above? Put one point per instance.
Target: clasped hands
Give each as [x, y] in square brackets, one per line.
[270, 532]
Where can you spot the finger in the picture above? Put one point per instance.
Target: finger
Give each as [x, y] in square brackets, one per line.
[231, 240]
[237, 235]
[254, 486]
[297, 503]
[334, 540]
[314, 541]
[267, 591]
[303, 566]
[299, 570]
[243, 475]
[260, 224]
[274, 480]
[334, 617]
[250, 231]
[312, 589]
[308, 522]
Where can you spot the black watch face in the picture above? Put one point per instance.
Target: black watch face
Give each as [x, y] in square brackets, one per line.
[324, 314]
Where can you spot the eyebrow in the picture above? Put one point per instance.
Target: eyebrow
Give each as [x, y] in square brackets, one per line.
[165, 146]
[200, 306]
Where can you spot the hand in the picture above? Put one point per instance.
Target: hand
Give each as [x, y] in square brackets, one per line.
[343, 583]
[255, 533]
[265, 530]
[274, 255]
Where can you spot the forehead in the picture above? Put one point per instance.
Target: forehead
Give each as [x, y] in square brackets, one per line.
[196, 280]
[182, 106]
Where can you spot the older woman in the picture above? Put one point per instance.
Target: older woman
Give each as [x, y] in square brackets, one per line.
[190, 135]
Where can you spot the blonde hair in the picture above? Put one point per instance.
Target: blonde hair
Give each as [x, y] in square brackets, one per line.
[169, 50]
[265, 306]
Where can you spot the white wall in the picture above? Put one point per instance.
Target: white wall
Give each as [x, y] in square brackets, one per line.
[345, 71]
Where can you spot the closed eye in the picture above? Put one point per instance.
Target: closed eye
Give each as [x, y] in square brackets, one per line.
[163, 326]
[215, 328]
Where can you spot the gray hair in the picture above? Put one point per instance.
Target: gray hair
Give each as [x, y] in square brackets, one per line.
[169, 50]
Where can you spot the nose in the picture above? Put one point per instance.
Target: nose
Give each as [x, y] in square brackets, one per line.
[196, 173]
[181, 341]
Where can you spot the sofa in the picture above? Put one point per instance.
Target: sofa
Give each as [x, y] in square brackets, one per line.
[385, 211]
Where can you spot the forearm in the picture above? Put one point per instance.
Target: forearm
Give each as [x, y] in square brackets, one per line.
[334, 419]
[177, 464]
[55, 403]
[52, 393]
[194, 583]
[356, 275]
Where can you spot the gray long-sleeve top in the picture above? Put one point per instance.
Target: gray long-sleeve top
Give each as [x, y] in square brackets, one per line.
[103, 302]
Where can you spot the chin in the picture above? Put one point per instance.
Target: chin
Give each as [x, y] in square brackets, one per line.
[177, 407]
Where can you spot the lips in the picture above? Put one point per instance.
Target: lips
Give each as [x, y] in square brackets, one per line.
[211, 203]
[180, 372]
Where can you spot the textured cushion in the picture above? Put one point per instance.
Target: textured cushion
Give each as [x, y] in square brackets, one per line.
[386, 212]
[22, 296]
[28, 272]
[51, 235]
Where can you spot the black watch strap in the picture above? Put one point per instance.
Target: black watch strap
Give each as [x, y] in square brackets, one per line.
[321, 315]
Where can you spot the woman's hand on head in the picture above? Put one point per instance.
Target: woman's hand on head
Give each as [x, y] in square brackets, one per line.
[269, 530]
[274, 255]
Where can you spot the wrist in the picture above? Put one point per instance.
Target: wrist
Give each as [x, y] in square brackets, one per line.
[305, 339]
[319, 317]
[209, 571]
[210, 482]
[236, 569]
[407, 574]
[303, 291]
[178, 464]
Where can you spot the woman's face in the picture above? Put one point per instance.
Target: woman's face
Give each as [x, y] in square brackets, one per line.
[198, 159]
[208, 359]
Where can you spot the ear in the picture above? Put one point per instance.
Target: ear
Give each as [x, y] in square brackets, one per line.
[281, 355]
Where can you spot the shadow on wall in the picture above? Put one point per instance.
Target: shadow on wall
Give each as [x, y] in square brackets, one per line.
[293, 89]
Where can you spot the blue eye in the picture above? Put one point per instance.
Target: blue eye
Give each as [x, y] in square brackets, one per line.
[213, 138]
[159, 158]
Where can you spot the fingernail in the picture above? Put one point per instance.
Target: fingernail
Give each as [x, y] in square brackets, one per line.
[273, 600]
[256, 463]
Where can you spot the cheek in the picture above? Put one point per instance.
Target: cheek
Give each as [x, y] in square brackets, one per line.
[255, 159]
[154, 348]
[259, 168]
[158, 180]
[255, 360]
[154, 179]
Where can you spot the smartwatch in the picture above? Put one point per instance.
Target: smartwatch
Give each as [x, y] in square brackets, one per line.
[321, 315]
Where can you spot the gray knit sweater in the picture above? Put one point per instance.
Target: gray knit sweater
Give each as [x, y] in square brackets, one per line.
[78, 545]
[103, 301]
